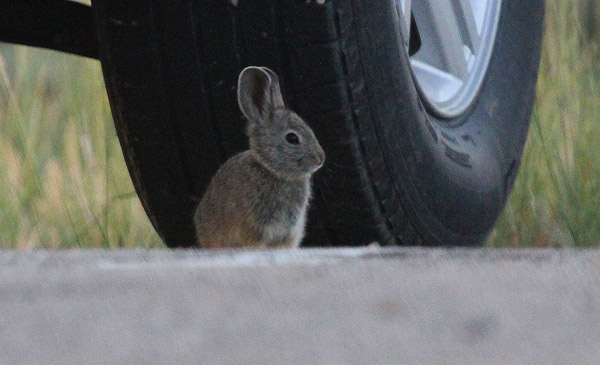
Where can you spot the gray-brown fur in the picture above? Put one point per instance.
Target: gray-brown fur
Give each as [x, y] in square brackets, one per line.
[259, 197]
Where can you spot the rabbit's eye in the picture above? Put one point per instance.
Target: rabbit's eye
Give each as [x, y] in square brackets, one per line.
[292, 138]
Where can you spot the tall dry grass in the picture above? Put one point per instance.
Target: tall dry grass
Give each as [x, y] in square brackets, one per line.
[63, 180]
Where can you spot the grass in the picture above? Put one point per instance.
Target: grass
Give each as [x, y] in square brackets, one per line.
[63, 177]
[64, 182]
[556, 200]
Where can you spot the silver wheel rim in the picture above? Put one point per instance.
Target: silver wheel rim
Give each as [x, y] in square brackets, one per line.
[456, 42]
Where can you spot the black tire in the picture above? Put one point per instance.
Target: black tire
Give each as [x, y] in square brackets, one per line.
[394, 173]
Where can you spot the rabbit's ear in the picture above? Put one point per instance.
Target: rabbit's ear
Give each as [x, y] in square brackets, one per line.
[258, 93]
[275, 88]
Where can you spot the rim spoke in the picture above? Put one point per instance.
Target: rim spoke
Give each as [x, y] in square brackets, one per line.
[442, 85]
[468, 26]
[439, 25]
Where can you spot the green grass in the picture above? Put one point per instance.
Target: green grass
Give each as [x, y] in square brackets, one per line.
[63, 180]
[556, 199]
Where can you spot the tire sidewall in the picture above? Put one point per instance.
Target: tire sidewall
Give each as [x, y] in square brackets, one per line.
[454, 176]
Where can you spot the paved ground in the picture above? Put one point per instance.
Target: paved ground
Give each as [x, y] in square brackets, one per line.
[364, 306]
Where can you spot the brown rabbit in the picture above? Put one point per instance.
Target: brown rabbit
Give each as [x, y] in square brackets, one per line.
[259, 197]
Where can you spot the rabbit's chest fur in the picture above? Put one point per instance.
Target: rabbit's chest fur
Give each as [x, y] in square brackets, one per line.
[279, 207]
[281, 213]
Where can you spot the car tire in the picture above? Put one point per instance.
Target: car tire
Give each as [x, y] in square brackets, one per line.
[396, 172]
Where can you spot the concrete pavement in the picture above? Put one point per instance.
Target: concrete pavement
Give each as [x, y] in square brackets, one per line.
[354, 306]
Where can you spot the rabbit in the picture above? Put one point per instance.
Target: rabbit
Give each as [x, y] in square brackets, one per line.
[259, 197]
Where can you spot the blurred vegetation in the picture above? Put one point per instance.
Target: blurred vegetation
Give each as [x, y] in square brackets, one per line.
[64, 182]
[556, 199]
[63, 178]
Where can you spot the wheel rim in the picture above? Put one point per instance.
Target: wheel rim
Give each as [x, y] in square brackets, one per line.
[450, 45]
